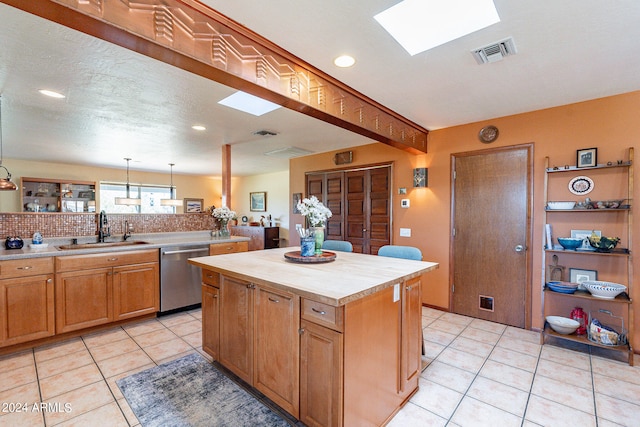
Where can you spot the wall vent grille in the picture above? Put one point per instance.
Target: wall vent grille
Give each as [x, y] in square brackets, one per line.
[495, 51]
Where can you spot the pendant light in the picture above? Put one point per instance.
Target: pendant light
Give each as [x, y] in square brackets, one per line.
[129, 201]
[5, 183]
[172, 201]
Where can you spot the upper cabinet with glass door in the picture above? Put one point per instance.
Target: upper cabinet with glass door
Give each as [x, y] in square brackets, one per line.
[55, 195]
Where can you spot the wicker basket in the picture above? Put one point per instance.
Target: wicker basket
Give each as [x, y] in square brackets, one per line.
[604, 333]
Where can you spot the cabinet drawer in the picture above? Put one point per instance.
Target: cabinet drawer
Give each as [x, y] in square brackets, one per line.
[228, 248]
[25, 267]
[110, 259]
[210, 277]
[323, 314]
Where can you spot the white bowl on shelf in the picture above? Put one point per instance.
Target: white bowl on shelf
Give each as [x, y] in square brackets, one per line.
[562, 325]
[560, 205]
[604, 290]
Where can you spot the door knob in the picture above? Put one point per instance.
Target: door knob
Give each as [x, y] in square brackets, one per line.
[519, 248]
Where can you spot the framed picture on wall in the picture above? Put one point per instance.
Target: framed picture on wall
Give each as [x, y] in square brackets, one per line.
[258, 201]
[193, 205]
[587, 157]
[296, 198]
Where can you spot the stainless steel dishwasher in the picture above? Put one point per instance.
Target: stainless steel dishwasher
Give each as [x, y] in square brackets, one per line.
[180, 282]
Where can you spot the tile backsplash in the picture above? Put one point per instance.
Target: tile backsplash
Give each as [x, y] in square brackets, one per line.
[83, 224]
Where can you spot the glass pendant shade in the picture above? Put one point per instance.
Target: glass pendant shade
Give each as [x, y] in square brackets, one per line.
[172, 201]
[128, 201]
[5, 183]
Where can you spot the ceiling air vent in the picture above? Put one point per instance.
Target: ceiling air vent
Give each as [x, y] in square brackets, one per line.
[265, 132]
[495, 51]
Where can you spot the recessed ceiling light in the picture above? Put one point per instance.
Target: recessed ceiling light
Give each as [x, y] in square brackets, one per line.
[198, 127]
[420, 25]
[248, 103]
[344, 61]
[51, 93]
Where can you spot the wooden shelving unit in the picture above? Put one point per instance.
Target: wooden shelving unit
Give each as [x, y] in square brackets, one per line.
[560, 304]
[56, 195]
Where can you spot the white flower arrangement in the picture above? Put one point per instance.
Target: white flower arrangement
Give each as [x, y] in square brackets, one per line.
[224, 213]
[314, 210]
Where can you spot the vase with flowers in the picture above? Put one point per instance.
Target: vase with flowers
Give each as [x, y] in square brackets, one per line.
[316, 214]
[223, 215]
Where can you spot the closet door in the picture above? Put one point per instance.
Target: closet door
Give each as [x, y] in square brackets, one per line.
[368, 209]
[360, 202]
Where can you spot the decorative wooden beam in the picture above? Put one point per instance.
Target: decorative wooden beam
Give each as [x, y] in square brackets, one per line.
[196, 38]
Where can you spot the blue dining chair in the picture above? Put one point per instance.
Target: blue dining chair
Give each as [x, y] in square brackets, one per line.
[337, 245]
[406, 252]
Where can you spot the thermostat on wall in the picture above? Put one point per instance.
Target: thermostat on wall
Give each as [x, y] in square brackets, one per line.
[404, 203]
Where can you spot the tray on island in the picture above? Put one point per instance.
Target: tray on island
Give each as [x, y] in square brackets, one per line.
[294, 256]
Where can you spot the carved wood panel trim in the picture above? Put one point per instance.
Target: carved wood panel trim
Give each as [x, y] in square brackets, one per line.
[190, 35]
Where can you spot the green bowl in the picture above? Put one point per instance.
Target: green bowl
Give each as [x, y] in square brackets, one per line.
[604, 244]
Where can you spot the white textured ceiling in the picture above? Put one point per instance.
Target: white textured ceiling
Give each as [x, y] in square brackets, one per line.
[121, 104]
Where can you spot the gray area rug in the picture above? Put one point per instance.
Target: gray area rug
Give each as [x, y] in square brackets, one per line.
[190, 391]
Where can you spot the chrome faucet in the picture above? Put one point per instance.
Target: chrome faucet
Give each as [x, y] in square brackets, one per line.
[103, 227]
[127, 230]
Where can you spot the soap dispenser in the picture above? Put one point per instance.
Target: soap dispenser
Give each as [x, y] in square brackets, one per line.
[37, 238]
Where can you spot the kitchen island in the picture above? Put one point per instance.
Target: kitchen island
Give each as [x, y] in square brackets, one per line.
[333, 344]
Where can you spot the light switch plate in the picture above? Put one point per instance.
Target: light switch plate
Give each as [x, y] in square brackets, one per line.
[405, 232]
[405, 203]
[396, 292]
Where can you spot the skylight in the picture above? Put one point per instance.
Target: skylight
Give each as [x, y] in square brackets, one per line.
[249, 104]
[420, 25]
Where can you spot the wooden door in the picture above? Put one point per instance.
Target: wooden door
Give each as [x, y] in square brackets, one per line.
[83, 299]
[368, 209]
[410, 362]
[491, 232]
[211, 320]
[277, 347]
[135, 290]
[27, 310]
[321, 376]
[236, 327]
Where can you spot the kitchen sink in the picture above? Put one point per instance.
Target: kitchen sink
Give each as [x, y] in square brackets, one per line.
[102, 245]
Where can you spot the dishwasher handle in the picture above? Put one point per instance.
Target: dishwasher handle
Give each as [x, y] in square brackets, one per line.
[184, 251]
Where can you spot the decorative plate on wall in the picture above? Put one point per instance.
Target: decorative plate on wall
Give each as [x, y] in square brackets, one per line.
[488, 134]
[581, 185]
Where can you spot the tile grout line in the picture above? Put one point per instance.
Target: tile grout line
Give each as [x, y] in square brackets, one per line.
[105, 380]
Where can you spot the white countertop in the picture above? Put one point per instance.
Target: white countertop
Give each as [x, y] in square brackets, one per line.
[350, 277]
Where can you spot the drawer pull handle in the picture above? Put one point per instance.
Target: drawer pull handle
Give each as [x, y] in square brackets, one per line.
[113, 259]
[210, 276]
[274, 300]
[25, 268]
[49, 280]
[320, 312]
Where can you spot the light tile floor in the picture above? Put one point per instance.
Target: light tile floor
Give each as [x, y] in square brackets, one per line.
[479, 373]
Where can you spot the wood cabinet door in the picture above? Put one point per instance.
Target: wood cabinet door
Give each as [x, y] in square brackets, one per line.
[211, 320]
[411, 336]
[321, 375]
[236, 327]
[136, 290]
[277, 347]
[83, 299]
[27, 309]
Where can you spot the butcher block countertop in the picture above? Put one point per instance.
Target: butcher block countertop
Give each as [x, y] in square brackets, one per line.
[350, 277]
